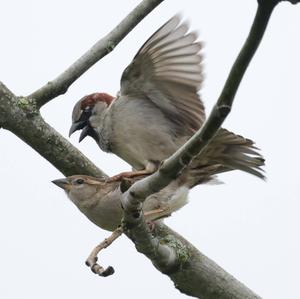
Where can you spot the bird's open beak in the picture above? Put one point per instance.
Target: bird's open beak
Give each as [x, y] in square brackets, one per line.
[62, 183]
[88, 131]
[77, 126]
[82, 121]
[83, 124]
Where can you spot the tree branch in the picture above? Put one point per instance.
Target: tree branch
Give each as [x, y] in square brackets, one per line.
[198, 275]
[193, 273]
[104, 46]
[277, 1]
[171, 168]
[21, 116]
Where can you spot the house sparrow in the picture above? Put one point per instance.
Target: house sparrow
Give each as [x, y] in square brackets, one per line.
[99, 199]
[158, 109]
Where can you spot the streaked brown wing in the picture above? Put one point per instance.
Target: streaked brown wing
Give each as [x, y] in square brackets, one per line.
[167, 71]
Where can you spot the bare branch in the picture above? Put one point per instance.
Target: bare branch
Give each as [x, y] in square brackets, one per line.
[163, 256]
[171, 168]
[199, 276]
[93, 257]
[275, 2]
[193, 273]
[21, 116]
[104, 46]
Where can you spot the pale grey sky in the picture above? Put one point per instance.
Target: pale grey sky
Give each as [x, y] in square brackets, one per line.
[249, 227]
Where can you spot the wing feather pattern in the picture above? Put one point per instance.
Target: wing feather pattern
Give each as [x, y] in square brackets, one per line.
[167, 71]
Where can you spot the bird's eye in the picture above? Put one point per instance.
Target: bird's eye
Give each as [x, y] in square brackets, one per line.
[79, 181]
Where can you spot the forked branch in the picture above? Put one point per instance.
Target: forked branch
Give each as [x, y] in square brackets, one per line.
[172, 166]
[104, 46]
[192, 272]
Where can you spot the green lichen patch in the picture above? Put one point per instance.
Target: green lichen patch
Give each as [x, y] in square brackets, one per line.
[181, 250]
[23, 102]
[27, 104]
[110, 46]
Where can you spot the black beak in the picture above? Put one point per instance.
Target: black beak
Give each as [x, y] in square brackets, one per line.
[88, 131]
[62, 183]
[77, 126]
[82, 121]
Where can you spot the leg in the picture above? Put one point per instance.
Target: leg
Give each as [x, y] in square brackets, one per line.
[149, 169]
[155, 215]
[128, 174]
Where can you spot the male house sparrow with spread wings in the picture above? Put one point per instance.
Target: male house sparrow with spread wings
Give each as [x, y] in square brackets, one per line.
[158, 109]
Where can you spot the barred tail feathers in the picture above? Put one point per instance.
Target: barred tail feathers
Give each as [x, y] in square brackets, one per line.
[226, 152]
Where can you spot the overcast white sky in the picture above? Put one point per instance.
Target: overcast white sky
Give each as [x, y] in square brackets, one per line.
[249, 227]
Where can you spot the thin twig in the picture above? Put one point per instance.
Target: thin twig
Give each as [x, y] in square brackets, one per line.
[104, 46]
[198, 276]
[93, 257]
[172, 166]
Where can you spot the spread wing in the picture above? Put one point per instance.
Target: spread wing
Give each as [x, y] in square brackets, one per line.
[167, 71]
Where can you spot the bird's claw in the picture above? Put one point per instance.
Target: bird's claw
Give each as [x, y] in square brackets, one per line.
[151, 226]
[129, 175]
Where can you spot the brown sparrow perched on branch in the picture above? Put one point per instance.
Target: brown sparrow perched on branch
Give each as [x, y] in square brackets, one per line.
[99, 199]
[158, 109]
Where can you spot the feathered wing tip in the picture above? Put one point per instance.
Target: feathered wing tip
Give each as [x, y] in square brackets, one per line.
[168, 69]
[226, 152]
[175, 53]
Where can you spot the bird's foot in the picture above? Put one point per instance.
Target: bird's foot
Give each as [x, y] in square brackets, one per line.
[154, 215]
[151, 226]
[128, 175]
